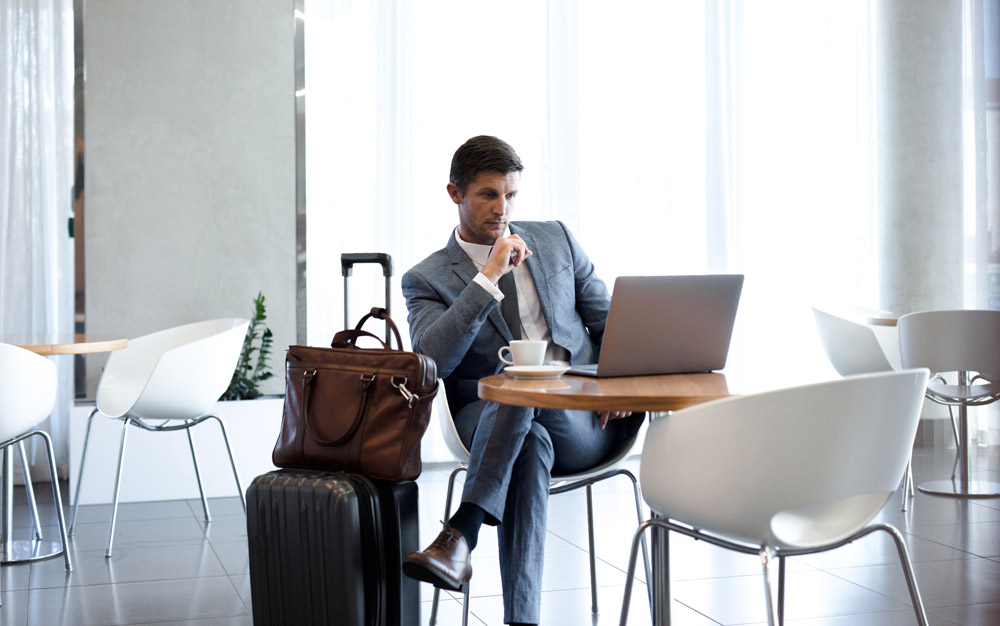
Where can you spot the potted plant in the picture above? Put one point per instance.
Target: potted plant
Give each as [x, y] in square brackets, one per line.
[252, 367]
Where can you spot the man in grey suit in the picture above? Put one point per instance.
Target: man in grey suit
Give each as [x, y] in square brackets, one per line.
[495, 281]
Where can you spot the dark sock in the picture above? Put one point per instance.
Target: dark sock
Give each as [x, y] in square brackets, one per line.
[521, 624]
[467, 520]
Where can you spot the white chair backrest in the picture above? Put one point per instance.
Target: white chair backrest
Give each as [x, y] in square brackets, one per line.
[27, 390]
[951, 341]
[177, 373]
[447, 422]
[748, 459]
[852, 348]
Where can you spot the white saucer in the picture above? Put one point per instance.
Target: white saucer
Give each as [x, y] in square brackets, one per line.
[536, 371]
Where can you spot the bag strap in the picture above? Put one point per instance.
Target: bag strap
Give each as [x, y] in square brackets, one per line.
[349, 338]
[382, 314]
[366, 392]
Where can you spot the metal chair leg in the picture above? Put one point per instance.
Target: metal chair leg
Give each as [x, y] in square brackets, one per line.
[57, 498]
[447, 514]
[465, 603]
[197, 474]
[593, 558]
[29, 490]
[766, 556]
[232, 463]
[79, 474]
[911, 580]
[781, 590]
[958, 446]
[640, 518]
[907, 485]
[118, 482]
[638, 538]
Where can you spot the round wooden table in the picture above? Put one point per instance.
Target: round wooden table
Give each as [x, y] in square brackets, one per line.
[47, 344]
[670, 392]
[80, 343]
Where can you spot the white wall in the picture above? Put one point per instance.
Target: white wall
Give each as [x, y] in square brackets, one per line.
[190, 165]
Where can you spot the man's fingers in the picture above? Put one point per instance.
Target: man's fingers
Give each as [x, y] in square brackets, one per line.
[607, 416]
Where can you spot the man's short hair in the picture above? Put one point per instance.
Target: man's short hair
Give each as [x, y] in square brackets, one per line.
[482, 153]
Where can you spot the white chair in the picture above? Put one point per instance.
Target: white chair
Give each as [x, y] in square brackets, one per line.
[560, 484]
[853, 348]
[27, 395]
[781, 473]
[174, 375]
[963, 345]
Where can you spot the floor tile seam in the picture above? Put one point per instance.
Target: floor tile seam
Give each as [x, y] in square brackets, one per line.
[236, 590]
[128, 582]
[971, 555]
[222, 562]
[931, 613]
[694, 610]
[907, 605]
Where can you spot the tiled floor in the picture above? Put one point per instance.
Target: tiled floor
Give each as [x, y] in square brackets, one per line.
[169, 567]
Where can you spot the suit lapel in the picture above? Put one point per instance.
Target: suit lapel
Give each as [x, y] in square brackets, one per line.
[465, 270]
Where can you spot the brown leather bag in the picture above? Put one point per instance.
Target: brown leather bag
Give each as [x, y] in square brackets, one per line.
[354, 409]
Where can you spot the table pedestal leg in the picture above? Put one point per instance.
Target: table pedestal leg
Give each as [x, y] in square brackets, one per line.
[660, 575]
[964, 487]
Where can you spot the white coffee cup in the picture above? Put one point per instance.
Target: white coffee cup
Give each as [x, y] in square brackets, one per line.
[525, 352]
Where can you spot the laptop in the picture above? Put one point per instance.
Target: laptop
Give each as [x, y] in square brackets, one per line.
[667, 325]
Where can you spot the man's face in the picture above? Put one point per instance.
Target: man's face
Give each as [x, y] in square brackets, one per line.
[484, 209]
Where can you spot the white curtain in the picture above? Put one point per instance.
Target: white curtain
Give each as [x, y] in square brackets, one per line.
[672, 137]
[981, 34]
[36, 179]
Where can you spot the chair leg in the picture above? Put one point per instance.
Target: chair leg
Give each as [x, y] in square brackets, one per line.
[766, 556]
[197, 475]
[640, 518]
[118, 483]
[447, 514]
[958, 446]
[911, 579]
[907, 484]
[29, 490]
[57, 498]
[232, 463]
[637, 539]
[79, 474]
[781, 590]
[593, 559]
[465, 603]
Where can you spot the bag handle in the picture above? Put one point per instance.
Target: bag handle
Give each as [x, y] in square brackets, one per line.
[366, 392]
[350, 337]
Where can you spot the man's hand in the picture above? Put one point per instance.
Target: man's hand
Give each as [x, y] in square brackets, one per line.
[607, 416]
[507, 253]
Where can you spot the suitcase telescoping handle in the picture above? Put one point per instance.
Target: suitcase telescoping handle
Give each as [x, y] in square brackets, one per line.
[347, 262]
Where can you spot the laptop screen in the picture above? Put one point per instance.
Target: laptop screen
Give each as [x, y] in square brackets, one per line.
[669, 324]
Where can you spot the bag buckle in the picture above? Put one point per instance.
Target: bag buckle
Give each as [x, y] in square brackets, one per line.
[410, 397]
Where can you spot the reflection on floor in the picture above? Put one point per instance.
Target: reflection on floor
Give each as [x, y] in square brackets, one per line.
[170, 567]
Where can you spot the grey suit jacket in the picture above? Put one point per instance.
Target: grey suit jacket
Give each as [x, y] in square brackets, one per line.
[458, 323]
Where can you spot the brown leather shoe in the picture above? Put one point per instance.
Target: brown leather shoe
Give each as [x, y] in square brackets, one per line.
[445, 563]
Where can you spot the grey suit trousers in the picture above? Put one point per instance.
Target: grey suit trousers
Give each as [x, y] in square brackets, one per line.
[514, 452]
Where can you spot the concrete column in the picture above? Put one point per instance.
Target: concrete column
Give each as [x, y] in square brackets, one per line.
[919, 121]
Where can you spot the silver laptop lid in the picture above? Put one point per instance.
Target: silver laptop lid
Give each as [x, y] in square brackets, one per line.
[669, 324]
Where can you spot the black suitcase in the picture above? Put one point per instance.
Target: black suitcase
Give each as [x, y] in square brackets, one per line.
[326, 548]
